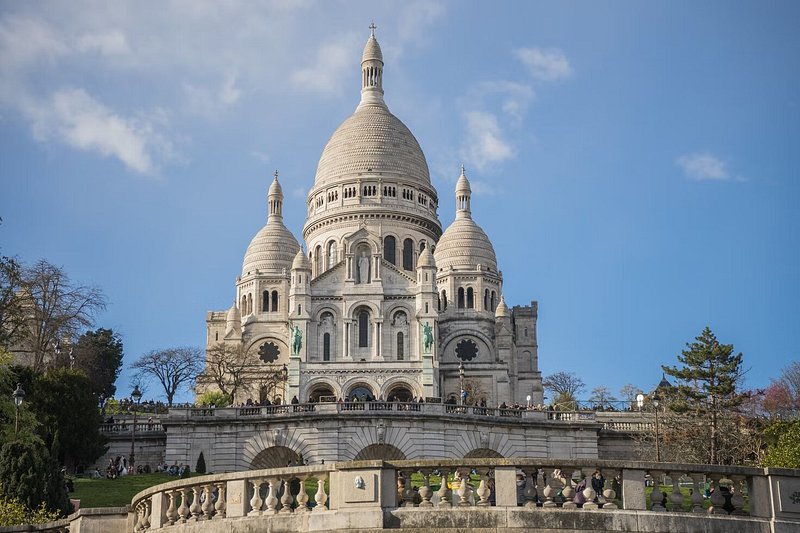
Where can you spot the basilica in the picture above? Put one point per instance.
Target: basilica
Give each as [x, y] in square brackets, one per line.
[380, 302]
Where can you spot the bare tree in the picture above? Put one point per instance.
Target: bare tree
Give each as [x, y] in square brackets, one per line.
[565, 387]
[54, 310]
[174, 368]
[12, 314]
[475, 391]
[271, 383]
[227, 366]
[601, 396]
[629, 392]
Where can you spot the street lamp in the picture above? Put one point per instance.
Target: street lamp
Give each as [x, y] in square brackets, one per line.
[136, 396]
[528, 398]
[462, 396]
[640, 401]
[658, 443]
[18, 396]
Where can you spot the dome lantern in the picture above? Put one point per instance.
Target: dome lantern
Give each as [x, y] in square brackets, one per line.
[372, 71]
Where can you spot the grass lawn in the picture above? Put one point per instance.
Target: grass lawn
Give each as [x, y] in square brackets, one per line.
[115, 492]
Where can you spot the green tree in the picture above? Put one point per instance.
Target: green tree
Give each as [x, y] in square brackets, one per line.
[200, 468]
[706, 388]
[99, 355]
[783, 444]
[30, 475]
[12, 314]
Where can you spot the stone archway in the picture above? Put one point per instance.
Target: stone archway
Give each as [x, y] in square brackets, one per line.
[385, 452]
[400, 392]
[362, 391]
[483, 453]
[319, 391]
[275, 457]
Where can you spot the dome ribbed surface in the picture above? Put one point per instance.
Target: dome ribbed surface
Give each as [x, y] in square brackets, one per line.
[372, 140]
[301, 261]
[426, 259]
[463, 246]
[372, 50]
[272, 249]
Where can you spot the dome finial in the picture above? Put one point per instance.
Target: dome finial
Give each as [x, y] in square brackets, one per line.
[372, 28]
[276, 174]
[463, 194]
[275, 199]
[372, 71]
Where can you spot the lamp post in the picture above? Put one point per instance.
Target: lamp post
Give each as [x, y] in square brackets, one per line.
[528, 398]
[640, 401]
[658, 443]
[18, 396]
[136, 396]
[461, 395]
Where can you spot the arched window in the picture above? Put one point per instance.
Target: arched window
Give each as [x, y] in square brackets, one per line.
[243, 305]
[318, 260]
[421, 246]
[486, 300]
[400, 346]
[444, 300]
[326, 347]
[461, 297]
[363, 329]
[494, 297]
[265, 301]
[274, 301]
[390, 249]
[470, 298]
[331, 254]
[408, 254]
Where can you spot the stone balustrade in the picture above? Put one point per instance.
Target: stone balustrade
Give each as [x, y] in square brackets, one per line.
[378, 494]
[123, 427]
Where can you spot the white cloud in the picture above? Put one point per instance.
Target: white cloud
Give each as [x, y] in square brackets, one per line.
[107, 43]
[484, 143]
[210, 101]
[545, 64]
[414, 20]
[332, 63]
[24, 41]
[704, 166]
[75, 118]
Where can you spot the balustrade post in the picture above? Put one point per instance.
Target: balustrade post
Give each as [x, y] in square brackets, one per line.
[609, 494]
[425, 491]
[220, 506]
[256, 501]
[737, 500]
[272, 496]
[717, 499]
[405, 494]
[633, 493]
[505, 486]
[195, 508]
[676, 498]
[529, 493]
[697, 491]
[158, 511]
[483, 491]
[321, 497]
[589, 493]
[464, 490]
[445, 494]
[287, 499]
[172, 510]
[302, 496]
[208, 502]
[656, 497]
[136, 517]
[147, 509]
[183, 510]
[568, 492]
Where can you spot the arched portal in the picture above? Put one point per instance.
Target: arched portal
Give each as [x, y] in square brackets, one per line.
[385, 452]
[361, 392]
[400, 393]
[483, 453]
[274, 457]
[318, 392]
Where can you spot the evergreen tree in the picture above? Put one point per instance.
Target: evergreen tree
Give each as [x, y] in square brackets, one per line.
[706, 387]
[29, 474]
[200, 468]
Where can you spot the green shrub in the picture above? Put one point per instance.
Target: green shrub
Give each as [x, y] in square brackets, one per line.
[200, 468]
[215, 398]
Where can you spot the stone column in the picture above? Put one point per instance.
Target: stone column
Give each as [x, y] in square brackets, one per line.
[633, 495]
[505, 486]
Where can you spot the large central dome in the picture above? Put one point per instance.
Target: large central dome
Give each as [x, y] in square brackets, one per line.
[373, 141]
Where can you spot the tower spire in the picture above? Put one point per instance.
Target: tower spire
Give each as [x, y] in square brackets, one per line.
[372, 71]
[463, 194]
[275, 200]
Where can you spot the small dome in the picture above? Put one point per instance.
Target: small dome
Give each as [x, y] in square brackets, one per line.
[462, 185]
[502, 309]
[233, 314]
[426, 259]
[372, 50]
[272, 249]
[275, 188]
[301, 262]
[465, 245]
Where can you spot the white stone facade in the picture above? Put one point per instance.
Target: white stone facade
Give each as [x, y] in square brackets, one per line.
[377, 270]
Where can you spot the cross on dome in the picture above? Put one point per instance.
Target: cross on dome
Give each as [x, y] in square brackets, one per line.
[372, 28]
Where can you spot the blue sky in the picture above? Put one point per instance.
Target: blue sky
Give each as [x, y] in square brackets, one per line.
[635, 163]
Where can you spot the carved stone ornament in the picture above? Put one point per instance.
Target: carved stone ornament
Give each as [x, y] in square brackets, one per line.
[359, 483]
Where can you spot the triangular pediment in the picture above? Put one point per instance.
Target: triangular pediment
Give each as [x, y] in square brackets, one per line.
[386, 265]
[336, 272]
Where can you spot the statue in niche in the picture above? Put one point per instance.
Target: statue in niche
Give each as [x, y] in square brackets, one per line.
[297, 339]
[427, 335]
[363, 268]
